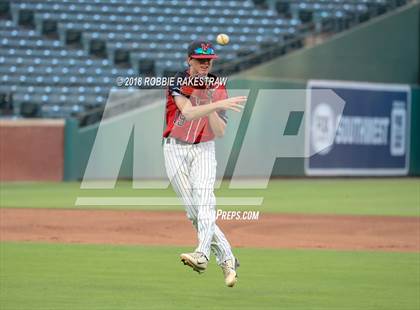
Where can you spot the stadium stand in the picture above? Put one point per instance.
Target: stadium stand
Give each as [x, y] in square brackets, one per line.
[61, 58]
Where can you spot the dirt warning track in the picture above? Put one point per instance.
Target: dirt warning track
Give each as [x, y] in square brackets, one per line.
[366, 233]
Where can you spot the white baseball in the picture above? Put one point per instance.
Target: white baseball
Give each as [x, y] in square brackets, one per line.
[222, 39]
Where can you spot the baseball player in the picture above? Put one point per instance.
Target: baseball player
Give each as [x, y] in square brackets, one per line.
[195, 116]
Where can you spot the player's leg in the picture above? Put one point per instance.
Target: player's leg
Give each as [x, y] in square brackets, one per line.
[220, 246]
[203, 175]
[178, 170]
[202, 178]
[177, 163]
[224, 257]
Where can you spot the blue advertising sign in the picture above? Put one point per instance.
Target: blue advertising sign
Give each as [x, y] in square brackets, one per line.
[371, 136]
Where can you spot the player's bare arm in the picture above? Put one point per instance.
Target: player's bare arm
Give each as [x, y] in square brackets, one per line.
[217, 125]
[191, 112]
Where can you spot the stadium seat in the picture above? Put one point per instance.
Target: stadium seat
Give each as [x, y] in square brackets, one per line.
[30, 109]
[5, 10]
[6, 103]
[147, 67]
[97, 47]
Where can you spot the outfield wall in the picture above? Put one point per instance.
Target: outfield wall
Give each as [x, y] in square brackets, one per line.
[149, 123]
[146, 129]
[31, 150]
[415, 132]
[64, 153]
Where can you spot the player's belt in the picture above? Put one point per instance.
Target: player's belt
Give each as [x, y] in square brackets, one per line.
[177, 141]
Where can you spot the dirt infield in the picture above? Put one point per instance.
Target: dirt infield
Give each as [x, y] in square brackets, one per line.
[371, 233]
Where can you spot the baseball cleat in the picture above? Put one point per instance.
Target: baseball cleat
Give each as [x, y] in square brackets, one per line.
[229, 271]
[197, 261]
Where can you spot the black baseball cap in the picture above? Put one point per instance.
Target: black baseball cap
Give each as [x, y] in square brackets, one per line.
[201, 50]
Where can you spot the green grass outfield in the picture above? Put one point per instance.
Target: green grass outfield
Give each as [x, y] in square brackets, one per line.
[394, 196]
[102, 277]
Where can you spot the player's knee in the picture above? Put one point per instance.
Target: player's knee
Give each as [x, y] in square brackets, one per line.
[202, 191]
[207, 213]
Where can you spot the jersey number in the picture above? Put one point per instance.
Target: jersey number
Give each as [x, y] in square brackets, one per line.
[179, 119]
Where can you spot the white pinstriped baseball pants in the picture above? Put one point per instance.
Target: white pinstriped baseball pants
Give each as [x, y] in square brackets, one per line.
[192, 172]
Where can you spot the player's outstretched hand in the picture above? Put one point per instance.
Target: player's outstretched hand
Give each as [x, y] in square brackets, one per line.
[234, 103]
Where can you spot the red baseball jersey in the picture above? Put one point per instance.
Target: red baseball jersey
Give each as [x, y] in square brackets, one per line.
[197, 130]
